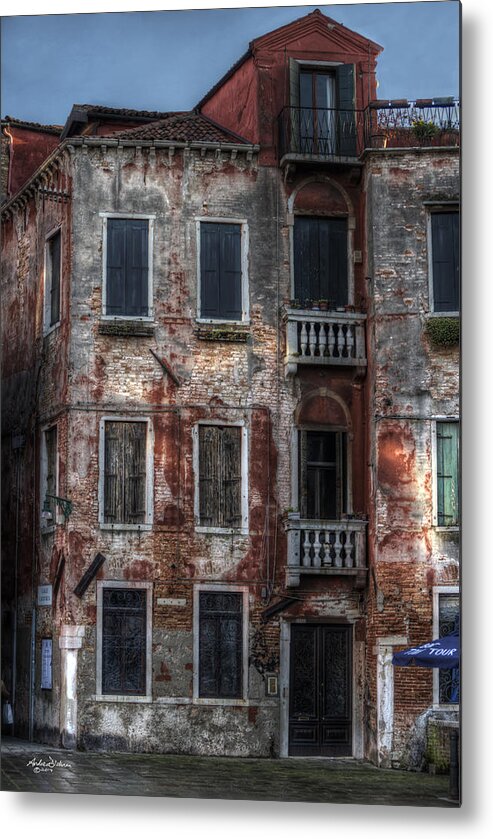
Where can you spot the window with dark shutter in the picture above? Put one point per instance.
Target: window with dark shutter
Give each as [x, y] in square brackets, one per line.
[52, 280]
[445, 261]
[323, 474]
[124, 641]
[220, 271]
[219, 476]
[320, 259]
[220, 644]
[127, 267]
[322, 110]
[447, 435]
[125, 472]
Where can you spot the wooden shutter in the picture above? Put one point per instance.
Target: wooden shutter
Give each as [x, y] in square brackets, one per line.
[51, 469]
[115, 266]
[445, 261]
[136, 267]
[320, 259]
[345, 105]
[219, 476]
[127, 267]
[220, 271]
[447, 474]
[125, 472]
[124, 641]
[54, 264]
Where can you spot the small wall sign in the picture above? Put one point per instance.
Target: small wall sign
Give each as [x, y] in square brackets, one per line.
[45, 595]
[171, 601]
[46, 663]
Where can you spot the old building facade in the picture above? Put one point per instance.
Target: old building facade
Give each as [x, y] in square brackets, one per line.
[230, 403]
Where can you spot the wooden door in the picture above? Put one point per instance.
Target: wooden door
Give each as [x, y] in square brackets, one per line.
[320, 694]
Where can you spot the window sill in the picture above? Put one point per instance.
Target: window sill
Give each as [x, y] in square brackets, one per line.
[454, 707]
[442, 314]
[440, 528]
[238, 703]
[222, 331]
[223, 531]
[111, 697]
[125, 527]
[123, 327]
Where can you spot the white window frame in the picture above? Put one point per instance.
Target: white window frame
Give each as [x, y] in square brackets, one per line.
[47, 278]
[245, 250]
[434, 450]
[43, 477]
[149, 517]
[124, 584]
[150, 217]
[243, 529]
[437, 591]
[446, 206]
[212, 588]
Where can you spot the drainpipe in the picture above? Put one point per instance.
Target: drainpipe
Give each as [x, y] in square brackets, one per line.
[16, 573]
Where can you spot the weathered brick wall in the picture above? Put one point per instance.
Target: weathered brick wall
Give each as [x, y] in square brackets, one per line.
[414, 383]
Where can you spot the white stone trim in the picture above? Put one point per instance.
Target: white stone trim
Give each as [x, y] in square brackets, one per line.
[47, 275]
[149, 474]
[124, 584]
[245, 253]
[151, 217]
[437, 591]
[215, 587]
[243, 530]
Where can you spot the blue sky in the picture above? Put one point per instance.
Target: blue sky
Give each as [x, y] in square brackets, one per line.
[167, 60]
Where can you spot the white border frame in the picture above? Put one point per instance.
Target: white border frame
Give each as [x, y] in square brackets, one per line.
[212, 588]
[437, 591]
[150, 217]
[454, 527]
[445, 207]
[149, 518]
[243, 529]
[47, 274]
[123, 584]
[244, 257]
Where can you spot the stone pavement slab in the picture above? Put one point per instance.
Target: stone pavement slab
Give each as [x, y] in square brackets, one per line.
[32, 767]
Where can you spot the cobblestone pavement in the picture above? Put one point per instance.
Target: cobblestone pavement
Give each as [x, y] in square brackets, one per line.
[31, 767]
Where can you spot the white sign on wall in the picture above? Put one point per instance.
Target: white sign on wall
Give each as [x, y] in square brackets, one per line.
[46, 663]
[45, 595]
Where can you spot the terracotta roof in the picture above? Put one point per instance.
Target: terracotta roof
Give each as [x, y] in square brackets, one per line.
[124, 112]
[183, 128]
[33, 126]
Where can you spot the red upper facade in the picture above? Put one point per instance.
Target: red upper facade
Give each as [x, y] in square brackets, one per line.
[311, 64]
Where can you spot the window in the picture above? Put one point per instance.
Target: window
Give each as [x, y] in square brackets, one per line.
[222, 635]
[322, 109]
[323, 480]
[447, 474]
[446, 621]
[222, 291]
[124, 637]
[445, 261]
[126, 473]
[127, 283]
[222, 476]
[320, 259]
[52, 280]
[49, 477]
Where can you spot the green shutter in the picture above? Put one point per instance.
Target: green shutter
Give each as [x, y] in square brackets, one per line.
[447, 474]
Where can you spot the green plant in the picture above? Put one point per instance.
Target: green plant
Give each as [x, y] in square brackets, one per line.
[424, 130]
[443, 332]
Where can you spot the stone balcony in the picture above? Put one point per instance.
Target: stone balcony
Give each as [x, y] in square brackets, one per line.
[328, 548]
[321, 338]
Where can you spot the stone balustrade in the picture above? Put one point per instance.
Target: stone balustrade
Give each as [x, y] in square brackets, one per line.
[325, 547]
[324, 338]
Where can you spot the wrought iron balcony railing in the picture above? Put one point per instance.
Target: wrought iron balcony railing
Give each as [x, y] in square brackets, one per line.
[341, 136]
[325, 547]
[324, 338]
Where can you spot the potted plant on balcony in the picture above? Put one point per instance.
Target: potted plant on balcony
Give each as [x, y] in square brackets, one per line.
[315, 305]
[295, 303]
[324, 305]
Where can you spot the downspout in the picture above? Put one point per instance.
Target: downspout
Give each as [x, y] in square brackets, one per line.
[16, 574]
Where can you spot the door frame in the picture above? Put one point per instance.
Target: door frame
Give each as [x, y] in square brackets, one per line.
[357, 657]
